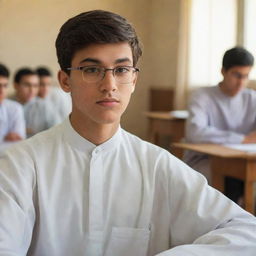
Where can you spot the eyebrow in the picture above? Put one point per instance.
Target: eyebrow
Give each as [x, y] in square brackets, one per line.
[96, 61]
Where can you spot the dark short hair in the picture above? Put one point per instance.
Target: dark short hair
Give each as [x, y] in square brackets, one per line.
[4, 71]
[94, 27]
[23, 72]
[237, 56]
[43, 71]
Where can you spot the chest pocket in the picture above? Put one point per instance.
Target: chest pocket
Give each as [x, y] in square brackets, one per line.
[127, 242]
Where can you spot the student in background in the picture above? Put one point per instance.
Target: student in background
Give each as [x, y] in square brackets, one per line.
[88, 187]
[12, 123]
[45, 82]
[224, 114]
[26, 86]
[38, 115]
[60, 101]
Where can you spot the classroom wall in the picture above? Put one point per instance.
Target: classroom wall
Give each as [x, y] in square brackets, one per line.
[29, 28]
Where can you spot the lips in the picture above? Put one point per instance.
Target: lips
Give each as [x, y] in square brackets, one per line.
[108, 102]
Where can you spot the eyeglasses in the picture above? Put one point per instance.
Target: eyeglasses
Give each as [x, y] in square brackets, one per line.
[238, 75]
[94, 74]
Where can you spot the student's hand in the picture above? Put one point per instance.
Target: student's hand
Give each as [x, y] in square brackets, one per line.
[12, 136]
[250, 138]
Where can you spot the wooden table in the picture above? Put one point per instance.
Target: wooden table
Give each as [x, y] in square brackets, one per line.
[163, 123]
[225, 161]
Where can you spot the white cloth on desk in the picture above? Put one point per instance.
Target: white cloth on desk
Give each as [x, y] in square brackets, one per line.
[61, 195]
[217, 118]
[39, 116]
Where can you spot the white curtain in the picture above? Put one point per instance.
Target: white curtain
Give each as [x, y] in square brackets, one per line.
[213, 30]
[250, 30]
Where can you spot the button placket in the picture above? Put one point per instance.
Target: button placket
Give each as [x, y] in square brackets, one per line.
[96, 192]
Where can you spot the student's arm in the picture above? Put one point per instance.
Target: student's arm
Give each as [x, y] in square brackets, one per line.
[12, 136]
[203, 221]
[198, 129]
[250, 138]
[17, 213]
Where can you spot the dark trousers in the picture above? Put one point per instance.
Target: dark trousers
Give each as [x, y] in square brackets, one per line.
[234, 188]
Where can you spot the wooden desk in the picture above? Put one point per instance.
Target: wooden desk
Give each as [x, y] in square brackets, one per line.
[162, 123]
[225, 161]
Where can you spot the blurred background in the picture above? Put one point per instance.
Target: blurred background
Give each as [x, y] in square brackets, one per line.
[183, 41]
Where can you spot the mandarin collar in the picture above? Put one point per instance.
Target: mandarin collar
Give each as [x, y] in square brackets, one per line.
[227, 97]
[80, 143]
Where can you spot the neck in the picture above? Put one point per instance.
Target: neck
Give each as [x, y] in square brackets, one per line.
[94, 132]
[20, 100]
[224, 90]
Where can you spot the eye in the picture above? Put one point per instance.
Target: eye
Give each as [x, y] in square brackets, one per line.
[120, 70]
[91, 70]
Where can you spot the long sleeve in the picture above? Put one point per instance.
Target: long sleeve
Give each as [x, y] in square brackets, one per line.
[17, 213]
[200, 127]
[203, 221]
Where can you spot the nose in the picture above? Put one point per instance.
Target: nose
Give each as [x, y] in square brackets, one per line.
[108, 83]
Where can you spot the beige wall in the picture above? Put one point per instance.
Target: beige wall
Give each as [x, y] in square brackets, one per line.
[28, 30]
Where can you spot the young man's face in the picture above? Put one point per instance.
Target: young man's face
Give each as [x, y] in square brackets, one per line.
[3, 87]
[45, 86]
[27, 88]
[235, 79]
[102, 102]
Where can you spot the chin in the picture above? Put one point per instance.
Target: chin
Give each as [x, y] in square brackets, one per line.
[109, 120]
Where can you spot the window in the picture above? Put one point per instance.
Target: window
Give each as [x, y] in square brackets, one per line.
[249, 30]
[213, 29]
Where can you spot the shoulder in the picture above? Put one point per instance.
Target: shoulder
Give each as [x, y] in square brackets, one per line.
[39, 144]
[12, 103]
[13, 106]
[157, 162]
[204, 93]
[144, 151]
[249, 92]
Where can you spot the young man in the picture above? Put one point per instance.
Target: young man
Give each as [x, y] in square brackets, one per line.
[26, 85]
[12, 123]
[224, 114]
[87, 187]
[54, 96]
[39, 115]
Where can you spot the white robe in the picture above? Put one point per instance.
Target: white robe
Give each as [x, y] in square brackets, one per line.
[60, 102]
[217, 118]
[61, 195]
[11, 120]
[39, 116]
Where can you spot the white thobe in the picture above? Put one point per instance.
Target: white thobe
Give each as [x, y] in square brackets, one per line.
[215, 117]
[11, 120]
[61, 103]
[39, 116]
[61, 195]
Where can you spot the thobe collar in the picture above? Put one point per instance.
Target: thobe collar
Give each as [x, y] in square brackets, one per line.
[80, 143]
[227, 97]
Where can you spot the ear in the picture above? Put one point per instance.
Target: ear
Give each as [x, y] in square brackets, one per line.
[134, 83]
[64, 81]
[223, 71]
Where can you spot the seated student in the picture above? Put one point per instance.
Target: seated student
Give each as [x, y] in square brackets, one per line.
[88, 187]
[12, 123]
[60, 101]
[224, 114]
[38, 115]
